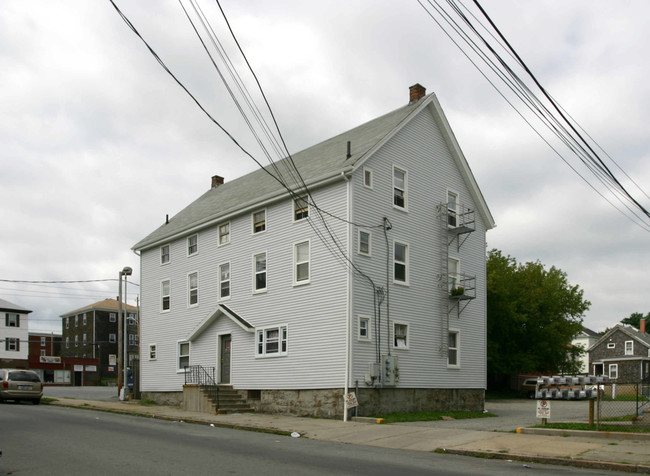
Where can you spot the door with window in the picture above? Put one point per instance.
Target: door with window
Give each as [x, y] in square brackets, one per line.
[225, 344]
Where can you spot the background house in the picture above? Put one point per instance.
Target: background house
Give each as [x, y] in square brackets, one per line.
[45, 357]
[14, 336]
[91, 332]
[622, 353]
[585, 340]
[373, 279]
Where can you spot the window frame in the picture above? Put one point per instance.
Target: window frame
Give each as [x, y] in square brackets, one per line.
[84, 321]
[192, 292]
[452, 212]
[403, 189]
[611, 345]
[612, 369]
[456, 349]
[112, 338]
[407, 337]
[163, 295]
[180, 355]
[221, 235]
[12, 319]
[222, 281]
[85, 339]
[368, 178]
[262, 224]
[67, 322]
[67, 342]
[165, 257]
[193, 247]
[631, 349]
[404, 263]
[261, 345]
[76, 340]
[153, 352]
[300, 212]
[112, 317]
[453, 278]
[43, 341]
[359, 242]
[257, 290]
[12, 344]
[297, 264]
[368, 328]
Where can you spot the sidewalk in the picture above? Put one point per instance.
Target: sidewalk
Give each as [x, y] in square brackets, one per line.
[614, 451]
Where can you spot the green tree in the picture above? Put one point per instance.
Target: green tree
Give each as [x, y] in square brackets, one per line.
[533, 314]
[634, 319]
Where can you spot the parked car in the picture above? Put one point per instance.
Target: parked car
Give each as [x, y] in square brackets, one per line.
[20, 385]
[528, 387]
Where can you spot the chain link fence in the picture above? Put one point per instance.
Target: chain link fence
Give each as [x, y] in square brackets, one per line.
[623, 403]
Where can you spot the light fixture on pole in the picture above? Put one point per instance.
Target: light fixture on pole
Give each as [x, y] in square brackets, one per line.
[127, 271]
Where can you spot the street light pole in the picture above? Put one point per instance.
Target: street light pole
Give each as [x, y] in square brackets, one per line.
[119, 336]
[126, 328]
[127, 271]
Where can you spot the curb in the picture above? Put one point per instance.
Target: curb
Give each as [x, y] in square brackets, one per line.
[591, 434]
[629, 468]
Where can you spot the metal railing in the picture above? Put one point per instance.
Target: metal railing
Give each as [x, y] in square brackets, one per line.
[204, 377]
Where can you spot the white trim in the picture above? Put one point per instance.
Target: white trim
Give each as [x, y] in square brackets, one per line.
[266, 272]
[296, 263]
[189, 289]
[169, 254]
[178, 355]
[220, 281]
[625, 351]
[219, 341]
[266, 221]
[405, 262]
[408, 335]
[609, 371]
[457, 364]
[360, 338]
[369, 233]
[404, 189]
[456, 211]
[280, 352]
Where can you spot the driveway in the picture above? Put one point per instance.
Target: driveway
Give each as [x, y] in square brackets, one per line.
[512, 414]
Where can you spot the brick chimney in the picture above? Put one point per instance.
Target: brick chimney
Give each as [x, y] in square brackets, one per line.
[417, 91]
[642, 326]
[216, 181]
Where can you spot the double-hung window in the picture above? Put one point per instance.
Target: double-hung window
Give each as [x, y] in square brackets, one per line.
[629, 347]
[85, 319]
[12, 344]
[43, 341]
[224, 233]
[453, 277]
[76, 341]
[272, 341]
[85, 339]
[259, 267]
[67, 323]
[400, 335]
[183, 355]
[301, 262]
[300, 208]
[367, 177]
[192, 245]
[400, 263]
[453, 349]
[193, 289]
[399, 188]
[165, 295]
[164, 254]
[111, 338]
[364, 328]
[112, 317]
[12, 320]
[67, 342]
[452, 209]
[613, 371]
[152, 351]
[259, 221]
[224, 280]
[364, 243]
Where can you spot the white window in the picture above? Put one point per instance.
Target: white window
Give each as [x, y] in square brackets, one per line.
[259, 263]
[85, 340]
[364, 242]
[111, 338]
[67, 342]
[613, 371]
[43, 341]
[67, 323]
[224, 234]
[400, 335]
[112, 359]
[76, 341]
[183, 355]
[453, 348]
[300, 208]
[400, 263]
[12, 320]
[367, 178]
[364, 328]
[164, 254]
[224, 281]
[259, 221]
[152, 352]
[192, 245]
[12, 344]
[452, 209]
[43, 353]
[272, 341]
[399, 188]
[611, 345]
[193, 289]
[165, 295]
[453, 276]
[301, 262]
[133, 339]
[629, 347]
[112, 317]
[85, 321]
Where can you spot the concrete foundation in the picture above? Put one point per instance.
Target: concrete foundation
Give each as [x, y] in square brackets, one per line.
[164, 398]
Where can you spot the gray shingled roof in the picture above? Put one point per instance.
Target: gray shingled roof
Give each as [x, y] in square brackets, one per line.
[105, 305]
[315, 163]
[8, 306]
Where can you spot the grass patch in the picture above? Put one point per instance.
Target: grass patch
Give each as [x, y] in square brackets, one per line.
[146, 403]
[431, 416]
[46, 400]
[586, 427]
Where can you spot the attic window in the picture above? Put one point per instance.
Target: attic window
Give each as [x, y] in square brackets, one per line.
[611, 345]
[399, 188]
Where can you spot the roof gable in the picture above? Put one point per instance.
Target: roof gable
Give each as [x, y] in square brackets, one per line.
[630, 332]
[221, 310]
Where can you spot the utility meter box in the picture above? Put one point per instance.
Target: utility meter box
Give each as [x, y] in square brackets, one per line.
[390, 367]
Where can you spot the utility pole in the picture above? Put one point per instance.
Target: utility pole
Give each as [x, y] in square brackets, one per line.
[121, 332]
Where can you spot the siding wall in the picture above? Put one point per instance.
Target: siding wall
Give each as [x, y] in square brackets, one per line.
[15, 333]
[315, 313]
[419, 149]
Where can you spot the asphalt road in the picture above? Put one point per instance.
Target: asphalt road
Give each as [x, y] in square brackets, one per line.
[48, 440]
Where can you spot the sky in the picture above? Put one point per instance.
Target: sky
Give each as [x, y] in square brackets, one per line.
[98, 143]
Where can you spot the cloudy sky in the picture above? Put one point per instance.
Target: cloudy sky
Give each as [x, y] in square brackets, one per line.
[98, 144]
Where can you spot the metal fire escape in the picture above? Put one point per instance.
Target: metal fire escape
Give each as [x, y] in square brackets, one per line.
[456, 289]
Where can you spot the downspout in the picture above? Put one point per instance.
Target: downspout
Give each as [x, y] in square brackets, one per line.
[349, 299]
